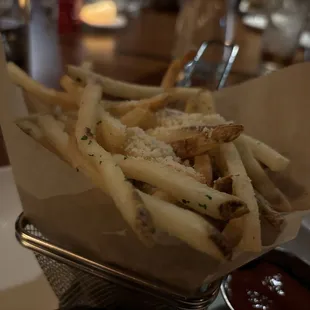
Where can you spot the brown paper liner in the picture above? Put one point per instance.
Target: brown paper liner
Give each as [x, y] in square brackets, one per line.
[67, 209]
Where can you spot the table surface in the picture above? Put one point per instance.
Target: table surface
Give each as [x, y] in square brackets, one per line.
[140, 52]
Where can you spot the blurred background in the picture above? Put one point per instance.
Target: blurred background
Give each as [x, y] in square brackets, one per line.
[270, 34]
[135, 40]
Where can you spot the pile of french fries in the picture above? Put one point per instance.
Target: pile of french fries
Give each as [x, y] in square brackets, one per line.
[189, 173]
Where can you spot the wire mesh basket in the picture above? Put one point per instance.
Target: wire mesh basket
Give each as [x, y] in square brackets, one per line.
[79, 281]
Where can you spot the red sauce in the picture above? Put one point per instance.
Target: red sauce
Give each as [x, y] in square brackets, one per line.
[266, 287]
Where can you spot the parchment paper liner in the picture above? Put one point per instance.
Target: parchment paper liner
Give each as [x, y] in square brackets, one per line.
[66, 208]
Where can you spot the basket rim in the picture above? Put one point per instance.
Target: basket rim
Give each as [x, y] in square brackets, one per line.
[113, 274]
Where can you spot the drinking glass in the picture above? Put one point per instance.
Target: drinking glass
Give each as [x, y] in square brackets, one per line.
[14, 16]
[286, 21]
[204, 20]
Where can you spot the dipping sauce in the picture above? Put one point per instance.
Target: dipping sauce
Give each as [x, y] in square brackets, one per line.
[266, 287]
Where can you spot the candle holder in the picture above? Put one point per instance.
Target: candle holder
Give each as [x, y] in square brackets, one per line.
[102, 14]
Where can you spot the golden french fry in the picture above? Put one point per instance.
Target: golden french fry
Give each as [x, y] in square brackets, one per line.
[203, 164]
[233, 232]
[205, 141]
[217, 134]
[260, 179]
[266, 155]
[53, 131]
[46, 95]
[33, 130]
[153, 103]
[187, 226]
[175, 68]
[35, 105]
[191, 193]
[71, 87]
[124, 195]
[202, 102]
[139, 117]
[159, 193]
[88, 65]
[125, 90]
[224, 184]
[189, 120]
[274, 218]
[205, 103]
[242, 188]
[111, 133]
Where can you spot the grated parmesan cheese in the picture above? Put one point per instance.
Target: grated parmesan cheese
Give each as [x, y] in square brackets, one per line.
[187, 120]
[177, 166]
[140, 144]
[115, 122]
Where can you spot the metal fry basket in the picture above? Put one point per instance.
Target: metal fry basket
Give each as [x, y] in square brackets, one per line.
[79, 281]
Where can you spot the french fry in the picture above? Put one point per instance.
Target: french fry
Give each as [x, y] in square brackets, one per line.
[224, 184]
[205, 141]
[187, 226]
[267, 155]
[242, 188]
[153, 103]
[159, 193]
[53, 131]
[202, 102]
[274, 218]
[125, 197]
[189, 120]
[214, 134]
[67, 148]
[35, 105]
[34, 131]
[205, 103]
[203, 164]
[139, 117]
[111, 133]
[185, 189]
[260, 179]
[175, 69]
[71, 87]
[126, 90]
[233, 232]
[168, 135]
[87, 65]
[46, 95]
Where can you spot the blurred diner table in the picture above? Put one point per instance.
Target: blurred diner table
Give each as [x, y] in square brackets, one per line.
[140, 52]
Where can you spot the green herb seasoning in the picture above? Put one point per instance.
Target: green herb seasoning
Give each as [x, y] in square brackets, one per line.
[90, 142]
[202, 205]
[99, 122]
[185, 201]
[208, 196]
[84, 137]
[88, 132]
